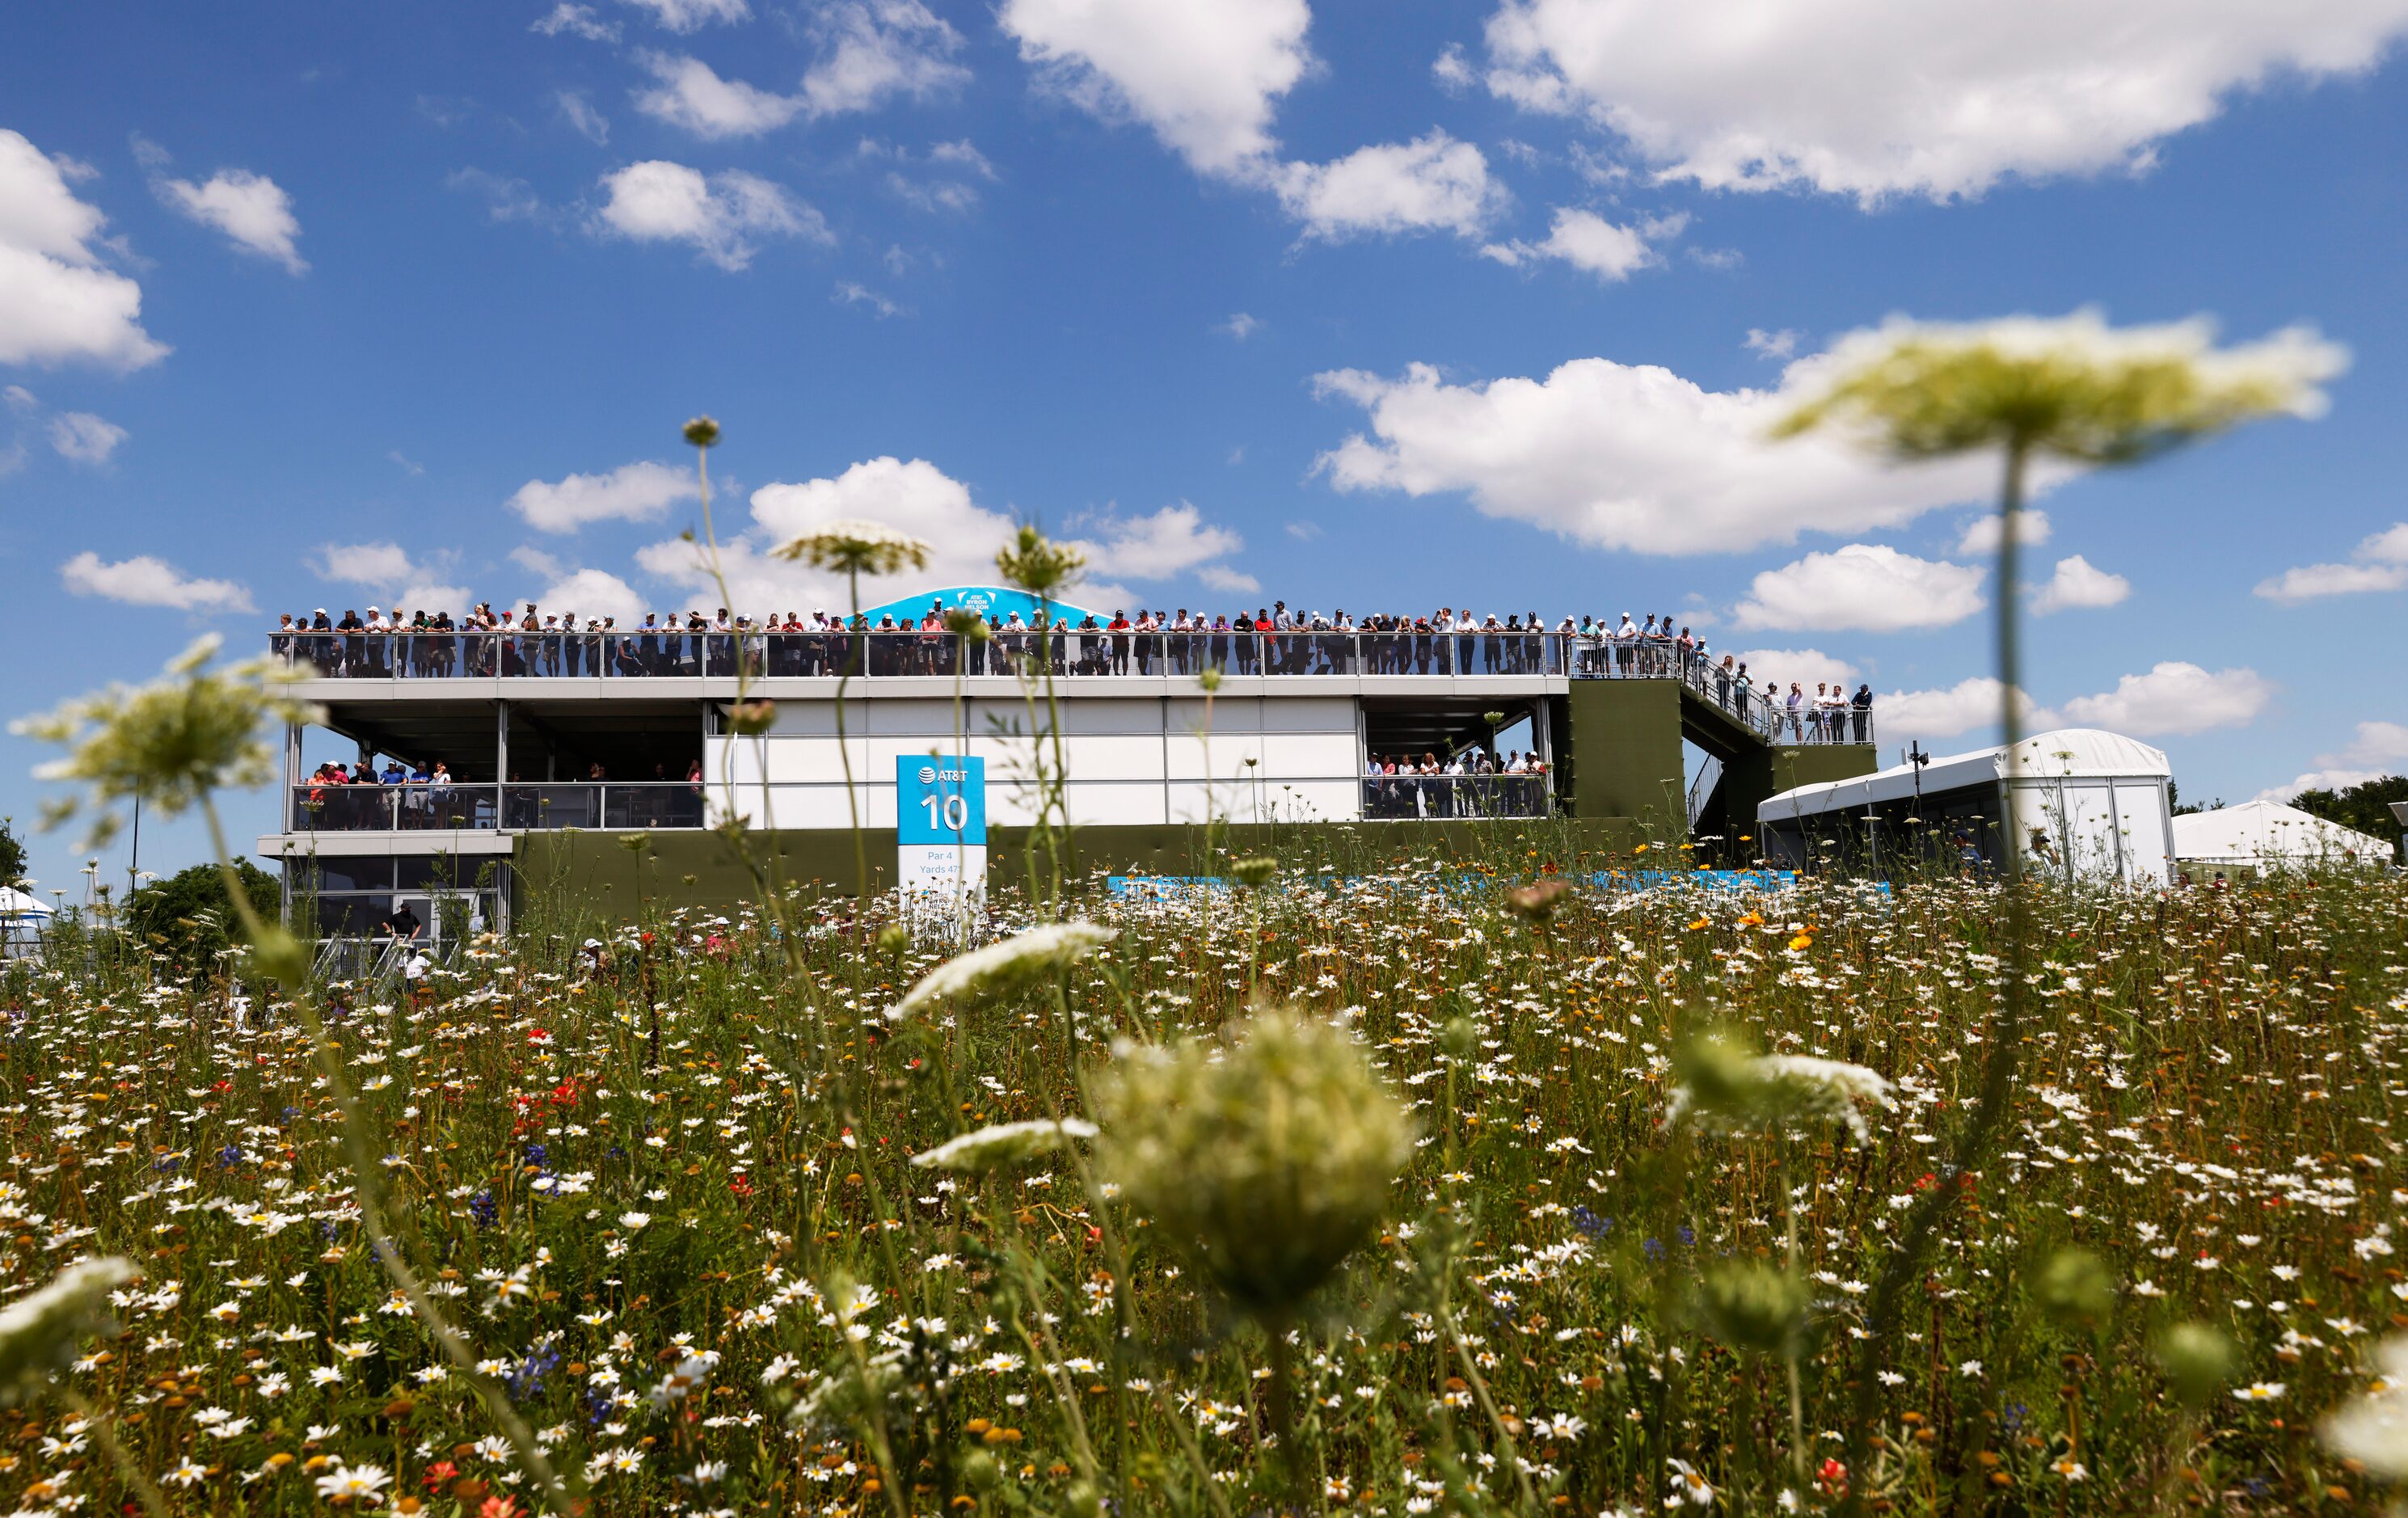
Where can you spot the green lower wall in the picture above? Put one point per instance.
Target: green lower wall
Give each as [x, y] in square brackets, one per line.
[696, 868]
[1625, 743]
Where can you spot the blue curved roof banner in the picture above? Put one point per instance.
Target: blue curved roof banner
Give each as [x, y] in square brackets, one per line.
[992, 602]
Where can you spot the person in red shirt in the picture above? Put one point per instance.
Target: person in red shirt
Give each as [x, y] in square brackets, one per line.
[1120, 631]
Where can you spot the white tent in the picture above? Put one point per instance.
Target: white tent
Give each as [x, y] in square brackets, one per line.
[22, 920]
[2267, 833]
[2081, 801]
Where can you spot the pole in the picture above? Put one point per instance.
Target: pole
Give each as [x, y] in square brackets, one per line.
[133, 865]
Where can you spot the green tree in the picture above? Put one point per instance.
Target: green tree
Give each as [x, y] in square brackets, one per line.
[190, 915]
[2366, 805]
[12, 854]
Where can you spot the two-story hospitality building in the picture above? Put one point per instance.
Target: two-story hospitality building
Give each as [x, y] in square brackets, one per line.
[540, 750]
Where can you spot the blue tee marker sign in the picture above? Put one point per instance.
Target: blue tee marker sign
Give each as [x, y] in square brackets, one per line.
[939, 824]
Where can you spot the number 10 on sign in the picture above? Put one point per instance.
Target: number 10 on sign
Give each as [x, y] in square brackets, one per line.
[939, 824]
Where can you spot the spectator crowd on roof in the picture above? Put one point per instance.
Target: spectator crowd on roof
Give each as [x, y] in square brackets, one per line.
[1270, 640]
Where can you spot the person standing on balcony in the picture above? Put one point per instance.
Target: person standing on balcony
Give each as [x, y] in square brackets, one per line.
[1861, 708]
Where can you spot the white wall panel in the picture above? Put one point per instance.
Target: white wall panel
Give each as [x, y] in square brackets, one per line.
[1236, 715]
[1191, 803]
[1307, 714]
[1310, 755]
[1114, 806]
[817, 718]
[1228, 754]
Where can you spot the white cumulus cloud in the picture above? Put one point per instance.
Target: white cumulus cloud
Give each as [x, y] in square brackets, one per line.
[689, 95]
[2381, 563]
[1161, 546]
[915, 496]
[1786, 664]
[84, 437]
[1867, 586]
[145, 581]
[1981, 534]
[58, 302]
[631, 493]
[724, 217]
[1629, 456]
[576, 20]
[252, 209]
[1431, 183]
[2174, 697]
[688, 15]
[2376, 749]
[1939, 98]
[876, 51]
[363, 563]
[1207, 80]
[2078, 582]
[588, 595]
[1948, 711]
[1592, 244]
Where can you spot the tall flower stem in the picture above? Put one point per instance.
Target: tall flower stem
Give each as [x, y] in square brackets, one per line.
[132, 1473]
[1884, 1316]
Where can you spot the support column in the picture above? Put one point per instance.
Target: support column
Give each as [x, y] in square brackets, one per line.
[1542, 739]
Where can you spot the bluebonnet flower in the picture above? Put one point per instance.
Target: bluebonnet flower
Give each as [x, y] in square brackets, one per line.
[536, 1154]
[166, 1162]
[231, 1155]
[483, 1208]
[2011, 1417]
[1689, 1236]
[1654, 1248]
[1590, 1224]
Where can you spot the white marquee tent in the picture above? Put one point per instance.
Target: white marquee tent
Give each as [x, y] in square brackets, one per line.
[22, 920]
[2077, 800]
[2264, 832]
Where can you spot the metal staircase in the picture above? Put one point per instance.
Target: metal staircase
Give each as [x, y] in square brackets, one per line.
[1701, 789]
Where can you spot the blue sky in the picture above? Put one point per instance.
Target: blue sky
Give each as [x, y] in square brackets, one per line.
[1379, 305]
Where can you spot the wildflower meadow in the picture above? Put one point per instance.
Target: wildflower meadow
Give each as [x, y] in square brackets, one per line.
[1534, 1229]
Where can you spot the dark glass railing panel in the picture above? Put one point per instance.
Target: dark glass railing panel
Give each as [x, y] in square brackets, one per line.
[1399, 797]
[410, 808]
[1069, 652]
[385, 809]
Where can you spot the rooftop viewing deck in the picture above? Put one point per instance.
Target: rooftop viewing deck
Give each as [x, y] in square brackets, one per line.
[553, 666]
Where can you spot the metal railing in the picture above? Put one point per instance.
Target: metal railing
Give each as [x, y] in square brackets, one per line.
[421, 807]
[1405, 797]
[1073, 651]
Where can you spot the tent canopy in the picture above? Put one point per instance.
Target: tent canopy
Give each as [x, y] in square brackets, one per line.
[2062, 753]
[2269, 832]
[993, 602]
[17, 905]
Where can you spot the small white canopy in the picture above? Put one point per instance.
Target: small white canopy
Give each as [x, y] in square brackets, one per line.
[2269, 833]
[2067, 753]
[18, 906]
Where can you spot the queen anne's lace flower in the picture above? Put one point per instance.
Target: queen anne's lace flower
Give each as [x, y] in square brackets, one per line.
[1000, 968]
[1003, 1143]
